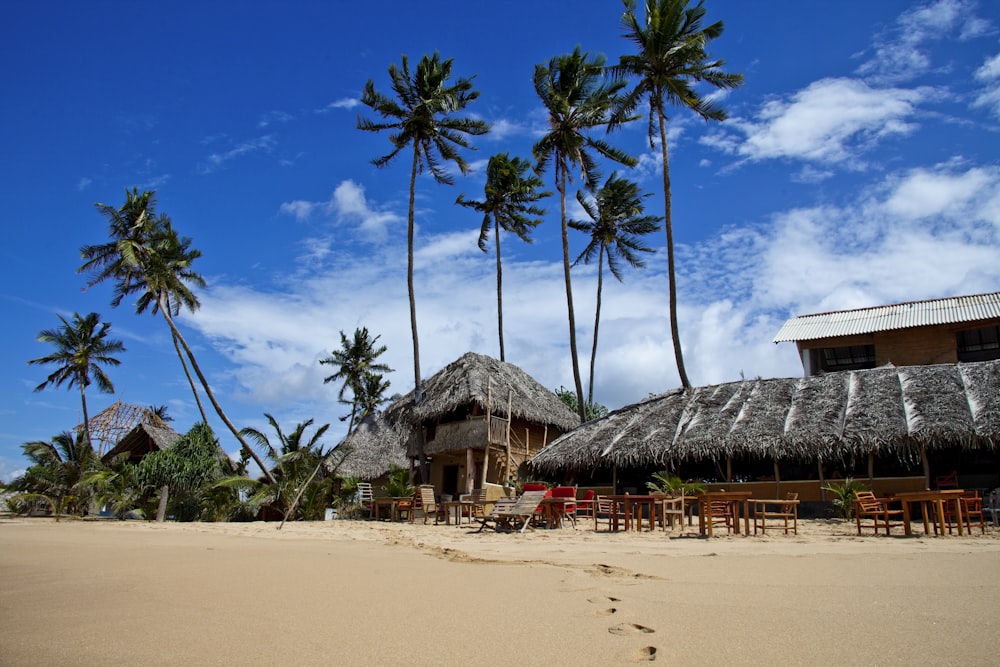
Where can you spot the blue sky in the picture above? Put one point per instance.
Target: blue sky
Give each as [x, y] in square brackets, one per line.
[860, 166]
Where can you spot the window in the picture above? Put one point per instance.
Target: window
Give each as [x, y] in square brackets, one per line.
[848, 358]
[981, 344]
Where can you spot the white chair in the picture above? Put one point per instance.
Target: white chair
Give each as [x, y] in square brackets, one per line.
[365, 497]
[991, 506]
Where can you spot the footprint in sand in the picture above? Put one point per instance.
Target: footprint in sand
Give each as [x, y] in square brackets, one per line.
[645, 654]
[607, 612]
[630, 629]
[603, 600]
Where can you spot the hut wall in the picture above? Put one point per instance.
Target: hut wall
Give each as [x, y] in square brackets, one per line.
[810, 491]
[457, 436]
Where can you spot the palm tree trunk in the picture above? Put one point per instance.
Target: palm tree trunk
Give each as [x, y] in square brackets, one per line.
[86, 417]
[597, 322]
[569, 298]
[211, 396]
[187, 374]
[417, 389]
[671, 277]
[496, 231]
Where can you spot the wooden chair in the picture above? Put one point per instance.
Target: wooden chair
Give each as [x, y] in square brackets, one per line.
[568, 507]
[427, 504]
[585, 505]
[603, 507]
[721, 512]
[949, 481]
[777, 510]
[867, 506]
[506, 515]
[366, 497]
[670, 509]
[972, 508]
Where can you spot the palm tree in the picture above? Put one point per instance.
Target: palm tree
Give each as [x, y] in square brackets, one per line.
[671, 57]
[510, 194]
[145, 256]
[422, 115]
[57, 471]
[615, 227]
[373, 394]
[355, 361]
[81, 349]
[578, 99]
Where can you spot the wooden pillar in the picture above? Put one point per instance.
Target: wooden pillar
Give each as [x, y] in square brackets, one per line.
[729, 468]
[470, 469]
[777, 480]
[614, 478]
[926, 462]
[819, 467]
[871, 469]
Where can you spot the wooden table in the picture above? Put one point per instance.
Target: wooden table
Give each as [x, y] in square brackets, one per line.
[554, 509]
[393, 504]
[630, 504]
[738, 499]
[459, 506]
[758, 507]
[934, 499]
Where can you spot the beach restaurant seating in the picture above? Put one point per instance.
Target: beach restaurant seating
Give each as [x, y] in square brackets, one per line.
[777, 510]
[603, 508]
[867, 506]
[972, 510]
[670, 509]
[365, 497]
[992, 506]
[427, 504]
[568, 507]
[585, 505]
[507, 516]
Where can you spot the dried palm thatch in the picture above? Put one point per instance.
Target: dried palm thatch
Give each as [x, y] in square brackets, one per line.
[375, 445]
[877, 411]
[476, 379]
[142, 440]
[110, 425]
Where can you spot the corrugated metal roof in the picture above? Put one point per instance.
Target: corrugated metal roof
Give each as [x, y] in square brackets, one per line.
[884, 318]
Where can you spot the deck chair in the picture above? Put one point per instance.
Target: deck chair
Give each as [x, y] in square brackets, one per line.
[784, 511]
[427, 504]
[867, 506]
[507, 516]
[365, 497]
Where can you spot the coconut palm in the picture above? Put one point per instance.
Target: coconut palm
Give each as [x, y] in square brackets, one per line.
[422, 115]
[82, 347]
[510, 193]
[578, 99]
[354, 361]
[615, 228]
[146, 257]
[670, 58]
[58, 468]
[373, 394]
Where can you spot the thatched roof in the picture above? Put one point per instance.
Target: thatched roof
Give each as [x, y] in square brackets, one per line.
[375, 446]
[484, 381]
[881, 410]
[142, 440]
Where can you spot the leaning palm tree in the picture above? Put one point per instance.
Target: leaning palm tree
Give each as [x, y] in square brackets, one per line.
[616, 228]
[354, 360]
[671, 57]
[510, 195]
[422, 115]
[578, 99]
[81, 349]
[146, 257]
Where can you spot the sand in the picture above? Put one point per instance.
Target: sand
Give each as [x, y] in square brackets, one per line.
[365, 593]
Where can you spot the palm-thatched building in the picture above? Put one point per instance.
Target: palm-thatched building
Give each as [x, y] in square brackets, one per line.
[141, 440]
[478, 421]
[374, 447]
[888, 422]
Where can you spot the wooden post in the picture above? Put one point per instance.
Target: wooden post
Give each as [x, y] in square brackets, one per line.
[729, 468]
[871, 469]
[927, 467]
[470, 468]
[510, 418]
[819, 466]
[777, 480]
[614, 479]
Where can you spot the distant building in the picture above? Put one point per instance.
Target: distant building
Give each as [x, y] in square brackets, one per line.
[915, 333]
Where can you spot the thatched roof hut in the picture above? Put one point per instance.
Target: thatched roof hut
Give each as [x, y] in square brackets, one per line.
[375, 445]
[141, 440]
[478, 380]
[885, 410]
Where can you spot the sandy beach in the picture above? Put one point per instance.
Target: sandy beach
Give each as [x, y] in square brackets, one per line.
[366, 593]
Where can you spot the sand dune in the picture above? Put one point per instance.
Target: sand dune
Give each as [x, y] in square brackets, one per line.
[366, 593]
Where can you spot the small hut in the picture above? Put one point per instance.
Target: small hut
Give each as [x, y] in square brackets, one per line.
[478, 422]
[141, 440]
[374, 447]
[908, 420]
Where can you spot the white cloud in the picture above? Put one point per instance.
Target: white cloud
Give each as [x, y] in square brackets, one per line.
[347, 202]
[261, 144]
[831, 120]
[989, 75]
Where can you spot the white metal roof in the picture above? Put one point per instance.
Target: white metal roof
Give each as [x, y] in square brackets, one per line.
[884, 318]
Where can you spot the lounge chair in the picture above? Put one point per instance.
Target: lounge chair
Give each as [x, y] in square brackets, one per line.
[867, 506]
[507, 515]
